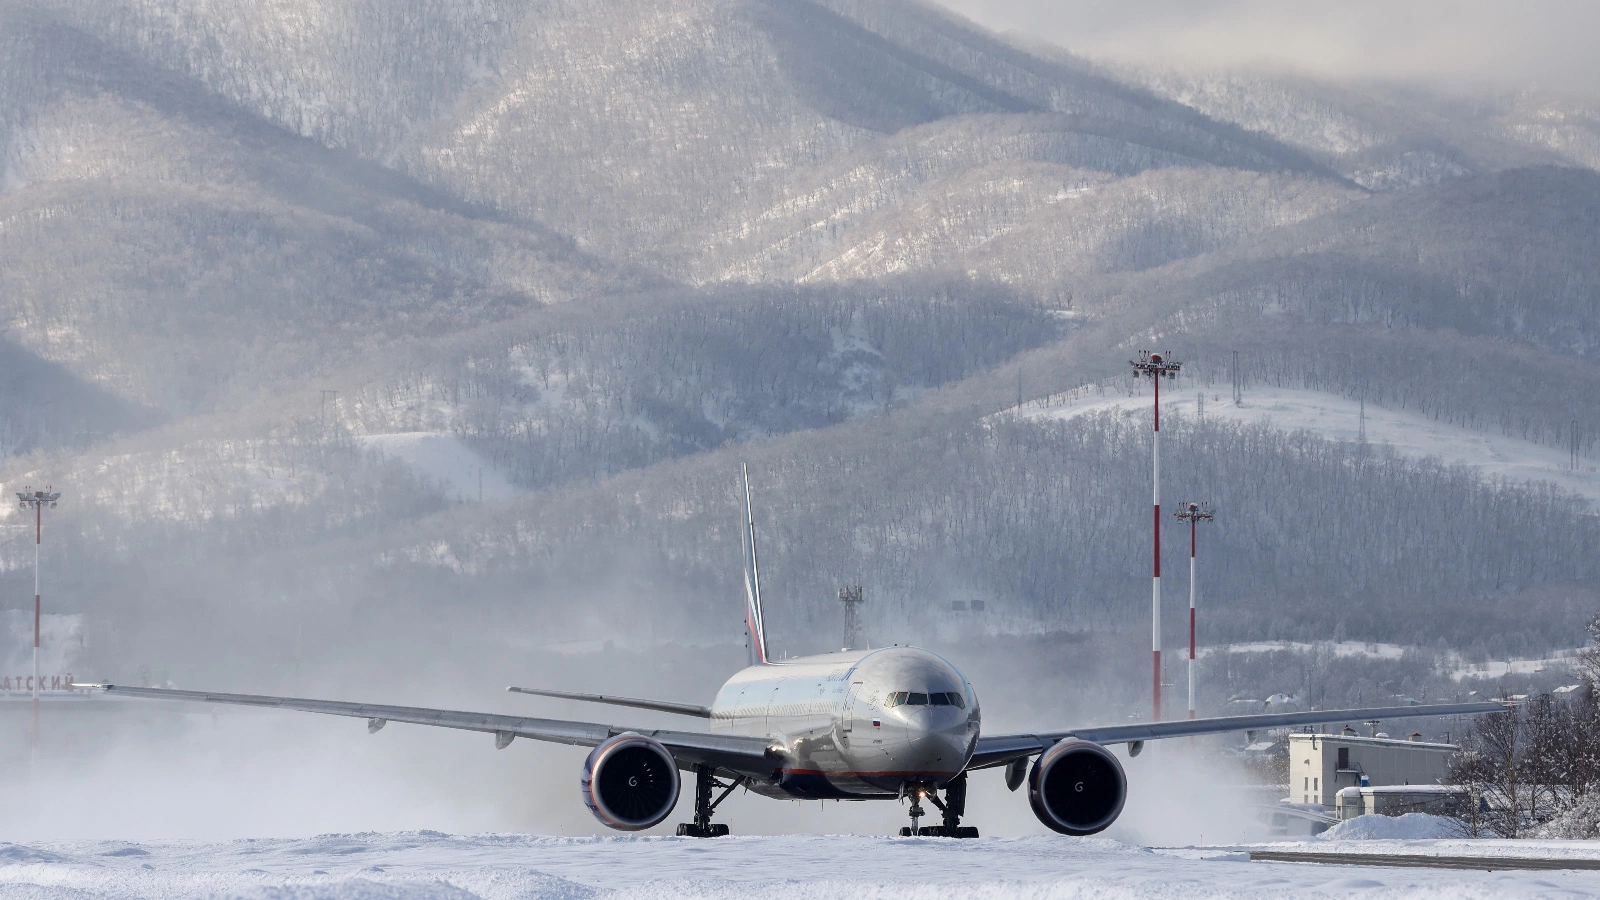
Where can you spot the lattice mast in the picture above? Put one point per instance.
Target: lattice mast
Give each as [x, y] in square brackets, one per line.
[1155, 366]
[852, 598]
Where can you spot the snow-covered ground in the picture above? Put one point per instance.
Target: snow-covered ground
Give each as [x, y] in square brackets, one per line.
[1368, 649]
[795, 867]
[447, 460]
[1339, 418]
[1419, 834]
[1565, 662]
[1562, 661]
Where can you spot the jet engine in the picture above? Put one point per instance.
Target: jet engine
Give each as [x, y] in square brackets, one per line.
[630, 782]
[1077, 787]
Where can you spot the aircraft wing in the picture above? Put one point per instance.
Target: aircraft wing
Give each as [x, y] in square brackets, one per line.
[1000, 749]
[746, 755]
[678, 709]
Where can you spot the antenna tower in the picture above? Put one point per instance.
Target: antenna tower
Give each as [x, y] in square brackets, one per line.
[852, 598]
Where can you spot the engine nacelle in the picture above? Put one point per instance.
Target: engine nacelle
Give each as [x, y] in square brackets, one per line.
[1077, 787]
[630, 782]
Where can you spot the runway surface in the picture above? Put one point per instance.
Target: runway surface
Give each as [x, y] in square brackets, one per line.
[1403, 860]
[406, 865]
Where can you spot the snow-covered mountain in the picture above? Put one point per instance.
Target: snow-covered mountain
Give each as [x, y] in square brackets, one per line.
[282, 281]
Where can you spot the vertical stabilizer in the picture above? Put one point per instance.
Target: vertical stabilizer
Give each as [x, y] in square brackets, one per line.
[752, 583]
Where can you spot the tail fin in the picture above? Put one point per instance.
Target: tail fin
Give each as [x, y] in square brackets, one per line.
[752, 583]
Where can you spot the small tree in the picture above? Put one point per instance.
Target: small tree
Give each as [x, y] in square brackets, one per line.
[1536, 763]
[1493, 766]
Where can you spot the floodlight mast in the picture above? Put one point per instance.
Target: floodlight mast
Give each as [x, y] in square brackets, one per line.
[1156, 366]
[1193, 513]
[36, 499]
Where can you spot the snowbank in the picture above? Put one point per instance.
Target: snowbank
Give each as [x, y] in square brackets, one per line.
[1581, 822]
[1409, 827]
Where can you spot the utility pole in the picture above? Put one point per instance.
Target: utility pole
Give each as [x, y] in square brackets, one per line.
[1155, 366]
[1238, 383]
[1193, 513]
[36, 499]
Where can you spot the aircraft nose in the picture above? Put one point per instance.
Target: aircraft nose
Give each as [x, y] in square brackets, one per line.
[940, 739]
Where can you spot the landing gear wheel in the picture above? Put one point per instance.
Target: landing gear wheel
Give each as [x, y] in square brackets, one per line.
[905, 831]
[715, 829]
[960, 831]
[953, 806]
[702, 827]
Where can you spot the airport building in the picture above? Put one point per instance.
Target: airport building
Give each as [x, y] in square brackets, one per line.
[1399, 799]
[1321, 765]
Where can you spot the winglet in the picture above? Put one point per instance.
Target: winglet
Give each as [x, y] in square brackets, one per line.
[752, 583]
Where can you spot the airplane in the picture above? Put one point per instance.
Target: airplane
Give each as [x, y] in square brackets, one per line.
[893, 723]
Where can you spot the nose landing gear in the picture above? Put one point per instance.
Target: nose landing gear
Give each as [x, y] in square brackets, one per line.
[704, 781]
[953, 807]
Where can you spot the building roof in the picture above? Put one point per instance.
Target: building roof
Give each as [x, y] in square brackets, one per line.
[1374, 742]
[1402, 789]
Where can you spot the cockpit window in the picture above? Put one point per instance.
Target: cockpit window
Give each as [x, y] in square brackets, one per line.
[907, 698]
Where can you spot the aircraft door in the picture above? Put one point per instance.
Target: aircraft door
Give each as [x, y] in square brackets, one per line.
[847, 721]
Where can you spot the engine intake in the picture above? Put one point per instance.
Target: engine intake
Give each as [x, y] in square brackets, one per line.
[1077, 787]
[630, 782]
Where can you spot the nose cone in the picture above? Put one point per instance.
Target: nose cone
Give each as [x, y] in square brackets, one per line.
[928, 714]
[939, 739]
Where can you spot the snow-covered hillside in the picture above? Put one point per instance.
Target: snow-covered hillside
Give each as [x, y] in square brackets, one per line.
[282, 281]
[456, 468]
[1339, 418]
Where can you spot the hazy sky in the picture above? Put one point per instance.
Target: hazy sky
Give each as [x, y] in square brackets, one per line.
[1461, 42]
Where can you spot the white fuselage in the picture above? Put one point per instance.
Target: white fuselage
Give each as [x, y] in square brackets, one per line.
[855, 724]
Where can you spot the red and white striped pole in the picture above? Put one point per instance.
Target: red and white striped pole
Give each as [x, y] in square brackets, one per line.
[1155, 581]
[36, 499]
[1156, 367]
[1194, 513]
[38, 609]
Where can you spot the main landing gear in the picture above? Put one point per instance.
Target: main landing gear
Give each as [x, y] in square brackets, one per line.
[954, 806]
[705, 779]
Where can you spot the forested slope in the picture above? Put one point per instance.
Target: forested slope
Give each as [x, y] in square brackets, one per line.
[610, 250]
